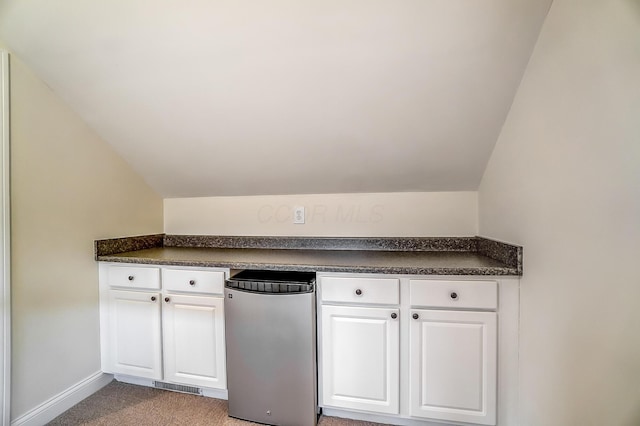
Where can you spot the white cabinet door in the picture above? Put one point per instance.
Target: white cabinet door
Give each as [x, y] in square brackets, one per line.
[135, 333]
[360, 358]
[453, 365]
[193, 331]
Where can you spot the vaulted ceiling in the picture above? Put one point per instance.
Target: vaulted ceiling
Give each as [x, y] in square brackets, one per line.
[247, 97]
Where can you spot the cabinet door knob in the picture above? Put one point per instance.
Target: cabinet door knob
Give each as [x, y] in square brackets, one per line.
[358, 292]
[131, 277]
[166, 299]
[192, 282]
[153, 298]
[415, 316]
[454, 295]
[394, 315]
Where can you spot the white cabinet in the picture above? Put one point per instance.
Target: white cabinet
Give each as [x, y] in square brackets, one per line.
[193, 331]
[193, 327]
[360, 358]
[407, 349]
[174, 334]
[135, 278]
[360, 353]
[452, 294]
[135, 333]
[453, 365]
[193, 281]
[453, 351]
[361, 291]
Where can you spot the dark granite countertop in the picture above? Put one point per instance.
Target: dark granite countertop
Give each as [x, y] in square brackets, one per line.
[414, 256]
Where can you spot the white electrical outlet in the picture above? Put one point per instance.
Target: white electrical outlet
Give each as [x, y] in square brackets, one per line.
[298, 214]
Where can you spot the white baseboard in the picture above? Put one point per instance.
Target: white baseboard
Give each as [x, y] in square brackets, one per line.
[60, 403]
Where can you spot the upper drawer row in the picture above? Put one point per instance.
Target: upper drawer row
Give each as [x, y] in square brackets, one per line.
[384, 291]
[187, 280]
[422, 292]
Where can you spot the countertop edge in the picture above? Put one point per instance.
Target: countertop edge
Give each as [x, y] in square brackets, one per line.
[484, 271]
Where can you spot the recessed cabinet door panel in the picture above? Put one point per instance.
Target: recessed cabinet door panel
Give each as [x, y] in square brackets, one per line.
[193, 330]
[360, 354]
[135, 333]
[453, 366]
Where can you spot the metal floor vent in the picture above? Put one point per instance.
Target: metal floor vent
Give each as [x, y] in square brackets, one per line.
[178, 388]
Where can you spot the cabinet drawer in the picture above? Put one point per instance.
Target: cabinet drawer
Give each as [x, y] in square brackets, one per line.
[133, 277]
[193, 281]
[454, 294]
[383, 291]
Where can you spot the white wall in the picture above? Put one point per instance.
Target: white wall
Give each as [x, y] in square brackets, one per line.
[564, 181]
[68, 189]
[350, 215]
[5, 230]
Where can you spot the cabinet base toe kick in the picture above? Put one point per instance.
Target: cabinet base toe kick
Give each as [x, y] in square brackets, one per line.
[175, 387]
[385, 419]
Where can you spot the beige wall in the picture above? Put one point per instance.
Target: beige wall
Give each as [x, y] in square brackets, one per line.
[353, 215]
[564, 181]
[68, 188]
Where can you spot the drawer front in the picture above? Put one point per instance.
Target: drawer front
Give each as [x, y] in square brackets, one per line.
[133, 277]
[193, 281]
[454, 294]
[381, 291]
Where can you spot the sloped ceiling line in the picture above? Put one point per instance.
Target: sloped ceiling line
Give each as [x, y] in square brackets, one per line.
[249, 97]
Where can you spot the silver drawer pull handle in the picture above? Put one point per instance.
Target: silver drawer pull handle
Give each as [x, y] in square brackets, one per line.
[358, 292]
[454, 295]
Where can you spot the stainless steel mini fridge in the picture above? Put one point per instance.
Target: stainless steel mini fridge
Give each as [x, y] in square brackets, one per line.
[270, 326]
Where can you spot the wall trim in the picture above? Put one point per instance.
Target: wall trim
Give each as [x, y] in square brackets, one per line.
[5, 246]
[60, 403]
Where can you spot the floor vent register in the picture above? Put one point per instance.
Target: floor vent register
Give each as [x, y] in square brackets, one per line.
[178, 388]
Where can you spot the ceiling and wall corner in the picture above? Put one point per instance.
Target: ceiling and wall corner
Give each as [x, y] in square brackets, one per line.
[243, 98]
[68, 188]
[564, 182]
[249, 97]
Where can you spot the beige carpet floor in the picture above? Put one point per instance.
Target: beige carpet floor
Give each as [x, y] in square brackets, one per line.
[125, 404]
